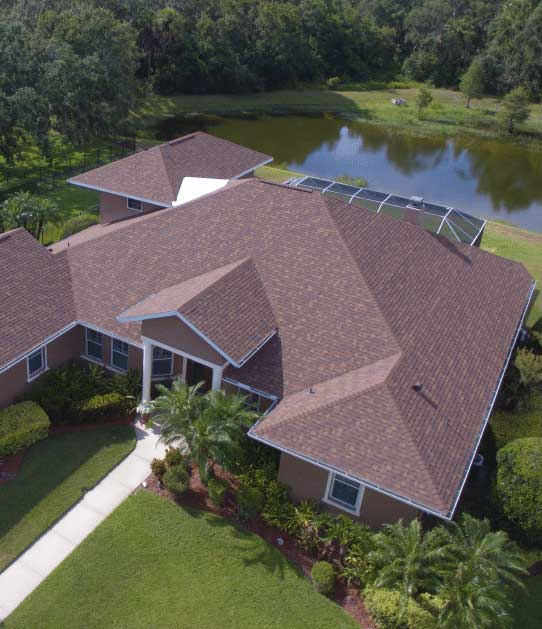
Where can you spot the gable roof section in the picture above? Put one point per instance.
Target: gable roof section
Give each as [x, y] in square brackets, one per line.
[228, 307]
[155, 175]
[36, 295]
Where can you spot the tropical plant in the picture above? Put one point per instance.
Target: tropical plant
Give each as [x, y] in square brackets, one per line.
[217, 488]
[176, 479]
[405, 560]
[473, 600]
[211, 425]
[471, 542]
[25, 210]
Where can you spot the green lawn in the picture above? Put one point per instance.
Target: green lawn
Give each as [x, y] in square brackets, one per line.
[154, 564]
[520, 245]
[279, 175]
[55, 474]
[528, 609]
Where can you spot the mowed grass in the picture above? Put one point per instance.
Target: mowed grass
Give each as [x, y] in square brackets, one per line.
[154, 564]
[523, 246]
[55, 474]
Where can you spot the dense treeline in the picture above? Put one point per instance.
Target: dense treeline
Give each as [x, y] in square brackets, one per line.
[71, 65]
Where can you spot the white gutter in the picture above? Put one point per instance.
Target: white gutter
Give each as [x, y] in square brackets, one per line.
[492, 404]
[116, 193]
[246, 172]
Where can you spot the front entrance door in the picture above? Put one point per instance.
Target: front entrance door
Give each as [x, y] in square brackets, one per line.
[196, 372]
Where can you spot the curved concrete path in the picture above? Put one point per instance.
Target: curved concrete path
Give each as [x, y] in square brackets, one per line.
[21, 577]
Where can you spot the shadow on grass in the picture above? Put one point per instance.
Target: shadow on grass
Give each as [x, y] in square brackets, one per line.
[250, 547]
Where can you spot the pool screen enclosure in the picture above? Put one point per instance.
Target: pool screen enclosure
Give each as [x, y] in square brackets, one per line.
[447, 221]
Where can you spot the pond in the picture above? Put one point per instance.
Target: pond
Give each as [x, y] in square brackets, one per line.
[487, 178]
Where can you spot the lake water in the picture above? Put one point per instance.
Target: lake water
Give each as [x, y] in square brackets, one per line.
[486, 178]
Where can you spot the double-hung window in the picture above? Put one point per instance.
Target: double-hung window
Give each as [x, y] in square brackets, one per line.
[94, 347]
[162, 362]
[344, 493]
[134, 205]
[119, 354]
[36, 363]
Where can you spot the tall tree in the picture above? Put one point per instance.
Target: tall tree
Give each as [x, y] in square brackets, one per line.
[514, 109]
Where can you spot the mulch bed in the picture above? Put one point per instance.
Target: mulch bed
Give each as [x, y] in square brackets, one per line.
[347, 596]
[10, 465]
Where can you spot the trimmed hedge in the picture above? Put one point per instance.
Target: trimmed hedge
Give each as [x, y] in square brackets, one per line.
[385, 608]
[519, 486]
[323, 577]
[21, 425]
[103, 408]
[77, 224]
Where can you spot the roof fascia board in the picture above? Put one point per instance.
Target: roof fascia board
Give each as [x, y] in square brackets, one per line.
[118, 194]
[329, 468]
[494, 399]
[258, 347]
[249, 170]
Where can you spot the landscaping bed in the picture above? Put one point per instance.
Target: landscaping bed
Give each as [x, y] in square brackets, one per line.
[197, 497]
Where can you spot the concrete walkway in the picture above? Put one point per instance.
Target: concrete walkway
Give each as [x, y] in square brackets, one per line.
[47, 552]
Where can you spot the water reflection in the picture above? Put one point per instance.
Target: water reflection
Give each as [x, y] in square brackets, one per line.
[485, 177]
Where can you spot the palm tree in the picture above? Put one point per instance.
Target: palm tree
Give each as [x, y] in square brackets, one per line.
[405, 560]
[472, 543]
[473, 600]
[211, 425]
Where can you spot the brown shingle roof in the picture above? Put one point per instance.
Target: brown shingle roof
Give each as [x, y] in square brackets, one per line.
[359, 299]
[36, 294]
[228, 306]
[155, 175]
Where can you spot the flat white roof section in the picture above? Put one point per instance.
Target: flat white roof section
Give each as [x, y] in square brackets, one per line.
[195, 187]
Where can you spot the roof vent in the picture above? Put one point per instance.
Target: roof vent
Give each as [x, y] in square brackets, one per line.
[417, 387]
[311, 391]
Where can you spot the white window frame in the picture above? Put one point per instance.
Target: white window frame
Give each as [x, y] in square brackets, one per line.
[355, 510]
[116, 351]
[44, 366]
[138, 205]
[87, 356]
[162, 376]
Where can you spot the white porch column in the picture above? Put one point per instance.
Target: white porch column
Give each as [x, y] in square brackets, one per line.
[147, 371]
[217, 377]
[184, 367]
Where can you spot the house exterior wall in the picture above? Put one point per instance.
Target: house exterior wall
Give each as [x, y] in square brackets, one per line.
[310, 482]
[114, 207]
[173, 332]
[64, 349]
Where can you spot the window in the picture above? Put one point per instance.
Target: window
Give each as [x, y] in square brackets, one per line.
[36, 363]
[162, 362]
[119, 354]
[134, 205]
[254, 401]
[344, 492]
[94, 344]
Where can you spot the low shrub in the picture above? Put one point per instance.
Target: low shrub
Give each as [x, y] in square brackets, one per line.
[323, 577]
[333, 82]
[250, 501]
[217, 489]
[519, 487]
[524, 422]
[77, 224]
[386, 609]
[176, 479]
[104, 407]
[21, 425]
[158, 468]
[174, 457]
[127, 384]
